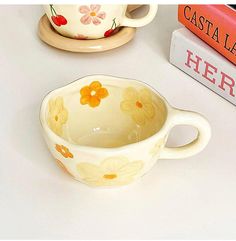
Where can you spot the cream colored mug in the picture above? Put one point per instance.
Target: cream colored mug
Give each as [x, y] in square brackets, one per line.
[109, 131]
[93, 21]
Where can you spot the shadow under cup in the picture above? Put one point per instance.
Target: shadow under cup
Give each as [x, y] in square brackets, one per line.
[130, 112]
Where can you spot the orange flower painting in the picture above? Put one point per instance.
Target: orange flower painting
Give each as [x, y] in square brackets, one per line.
[92, 94]
[64, 151]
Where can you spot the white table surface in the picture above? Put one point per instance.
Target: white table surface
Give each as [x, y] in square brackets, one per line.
[192, 198]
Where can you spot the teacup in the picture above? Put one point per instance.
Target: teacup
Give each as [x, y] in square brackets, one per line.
[109, 131]
[93, 21]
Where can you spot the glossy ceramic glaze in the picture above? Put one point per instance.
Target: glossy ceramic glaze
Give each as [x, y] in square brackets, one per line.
[108, 131]
[93, 21]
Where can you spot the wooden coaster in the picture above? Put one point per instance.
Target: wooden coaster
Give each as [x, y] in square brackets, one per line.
[50, 36]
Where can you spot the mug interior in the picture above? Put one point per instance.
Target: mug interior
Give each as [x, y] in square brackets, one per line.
[128, 111]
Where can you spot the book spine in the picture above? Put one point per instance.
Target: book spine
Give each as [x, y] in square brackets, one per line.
[214, 24]
[200, 61]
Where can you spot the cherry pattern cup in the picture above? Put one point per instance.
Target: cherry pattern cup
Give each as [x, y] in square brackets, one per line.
[58, 20]
[93, 21]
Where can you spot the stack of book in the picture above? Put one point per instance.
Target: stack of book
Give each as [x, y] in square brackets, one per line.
[206, 48]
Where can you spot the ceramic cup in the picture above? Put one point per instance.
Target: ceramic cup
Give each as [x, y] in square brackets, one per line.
[108, 131]
[93, 21]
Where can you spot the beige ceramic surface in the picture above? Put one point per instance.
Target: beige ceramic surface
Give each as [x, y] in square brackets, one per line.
[47, 34]
[108, 131]
[133, 7]
[93, 21]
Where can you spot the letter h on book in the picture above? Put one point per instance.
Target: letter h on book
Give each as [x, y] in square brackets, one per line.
[209, 71]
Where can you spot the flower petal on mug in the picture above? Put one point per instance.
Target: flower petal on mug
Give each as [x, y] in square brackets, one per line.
[145, 95]
[64, 151]
[96, 21]
[95, 7]
[95, 85]
[126, 106]
[131, 169]
[149, 110]
[58, 115]
[59, 103]
[139, 118]
[102, 93]
[94, 101]
[86, 19]
[101, 15]
[85, 90]
[84, 9]
[130, 94]
[63, 116]
[55, 127]
[85, 99]
[87, 170]
[113, 164]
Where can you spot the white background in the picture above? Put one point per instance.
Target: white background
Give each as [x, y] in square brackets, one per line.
[193, 198]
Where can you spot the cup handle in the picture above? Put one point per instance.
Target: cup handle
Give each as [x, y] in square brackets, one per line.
[182, 117]
[129, 22]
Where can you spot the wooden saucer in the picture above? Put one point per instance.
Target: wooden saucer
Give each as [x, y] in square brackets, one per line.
[50, 36]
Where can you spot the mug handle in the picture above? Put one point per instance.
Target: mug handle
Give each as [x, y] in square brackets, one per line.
[129, 22]
[182, 117]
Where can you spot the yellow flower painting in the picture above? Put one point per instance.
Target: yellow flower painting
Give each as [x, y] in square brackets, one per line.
[138, 104]
[113, 171]
[58, 115]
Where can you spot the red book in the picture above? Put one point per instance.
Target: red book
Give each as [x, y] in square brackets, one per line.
[214, 24]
